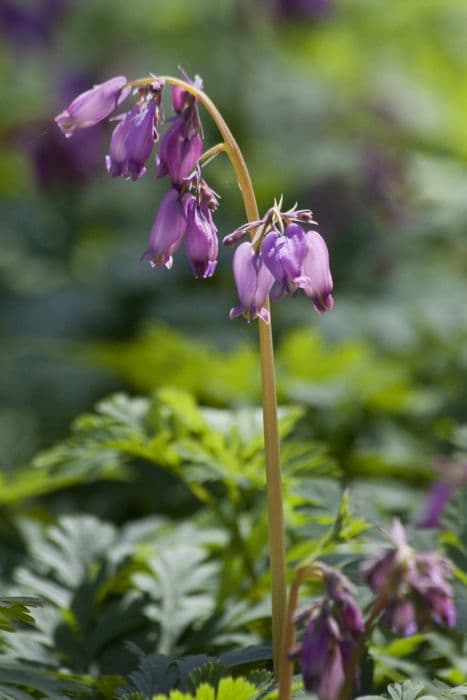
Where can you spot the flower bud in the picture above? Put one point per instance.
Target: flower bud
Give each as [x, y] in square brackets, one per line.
[92, 106]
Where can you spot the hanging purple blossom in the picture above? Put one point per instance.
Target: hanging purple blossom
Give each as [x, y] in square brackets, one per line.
[180, 150]
[451, 475]
[332, 628]
[284, 257]
[414, 586]
[202, 246]
[117, 160]
[254, 282]
[132, 142]
[92, 106]
[167, 231]
[316, 281]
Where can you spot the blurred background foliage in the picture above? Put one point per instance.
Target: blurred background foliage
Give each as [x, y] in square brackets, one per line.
[354, 108]
[350, 108]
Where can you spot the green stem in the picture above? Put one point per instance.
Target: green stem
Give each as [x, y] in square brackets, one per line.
[270, 421]
[211, 153]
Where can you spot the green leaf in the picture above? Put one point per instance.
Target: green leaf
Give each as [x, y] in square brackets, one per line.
[15, 609]
[227, 689]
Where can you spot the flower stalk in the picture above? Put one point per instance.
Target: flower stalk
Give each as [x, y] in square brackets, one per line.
[268, 381]
[279, 258]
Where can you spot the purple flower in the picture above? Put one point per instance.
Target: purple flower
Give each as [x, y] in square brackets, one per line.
[413, 586]
[453, 475]
[333, 627]
[180, 150]
[254, 282]
[92, 106]
[25, 25]
[316, 281]
[284, 257]
[436, 502]
[321, 656]
[116, 161]
[201, 239]
[132, 142]
[167, 231]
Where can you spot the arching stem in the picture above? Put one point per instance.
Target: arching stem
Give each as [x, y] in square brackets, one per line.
[268, 383]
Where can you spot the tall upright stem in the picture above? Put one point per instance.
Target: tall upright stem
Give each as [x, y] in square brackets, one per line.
[268, 383]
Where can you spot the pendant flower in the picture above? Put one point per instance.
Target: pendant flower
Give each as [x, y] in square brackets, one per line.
[284, 257]
[92, 106]
[132, 142]
[167, 231]
[414, 585]
[201, 242]
[180, 150]
[316, 281]
[254, 282]
[332, 628]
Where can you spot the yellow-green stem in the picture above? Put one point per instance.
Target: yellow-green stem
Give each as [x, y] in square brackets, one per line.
[270, 422]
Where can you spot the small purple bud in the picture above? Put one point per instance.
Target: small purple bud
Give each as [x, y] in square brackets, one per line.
[140, 141]
[92, 106]
[240, 232]
[201, 239]
[167, 231]
[253, 281]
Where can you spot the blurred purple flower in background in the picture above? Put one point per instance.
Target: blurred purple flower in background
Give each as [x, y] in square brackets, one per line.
[332, 628]
[452, 475]
[56, 161]
[27, 25]
[305, 9]
[413, 586]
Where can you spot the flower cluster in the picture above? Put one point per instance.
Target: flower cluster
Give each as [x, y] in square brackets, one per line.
[332, 628]
[412, 586]
[282, 257]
